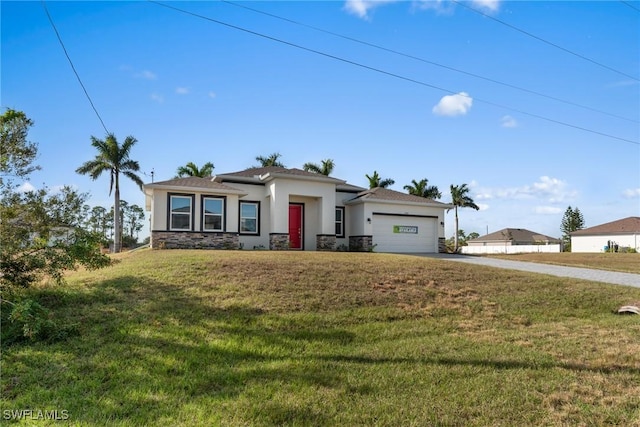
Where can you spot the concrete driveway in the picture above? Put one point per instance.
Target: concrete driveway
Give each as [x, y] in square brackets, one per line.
[613, 277]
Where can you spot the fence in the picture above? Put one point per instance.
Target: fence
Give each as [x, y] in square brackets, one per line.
[515, 249]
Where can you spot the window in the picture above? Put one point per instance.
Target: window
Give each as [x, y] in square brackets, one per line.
[340, 221]
[249, 212]
[180, 217]
[213, 214]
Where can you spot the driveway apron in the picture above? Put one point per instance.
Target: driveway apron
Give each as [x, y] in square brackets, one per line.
[613, 277]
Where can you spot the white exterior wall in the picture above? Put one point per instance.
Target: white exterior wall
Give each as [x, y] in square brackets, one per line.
[356, 220]
[160, 209]
[283, 191]
[597, 243]
[509, 249]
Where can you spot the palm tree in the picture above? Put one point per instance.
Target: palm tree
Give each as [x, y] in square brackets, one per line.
[114, 159]
[376, 181]
[459, 198]
[190, 169]
[423, 189]
[325, 168]
[271, 160]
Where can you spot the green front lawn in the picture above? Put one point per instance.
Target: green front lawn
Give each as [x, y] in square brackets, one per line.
[205, 338]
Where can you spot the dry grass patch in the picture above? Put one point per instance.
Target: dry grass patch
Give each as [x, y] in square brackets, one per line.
[625, 262]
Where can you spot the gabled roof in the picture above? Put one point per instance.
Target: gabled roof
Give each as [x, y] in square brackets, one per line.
[192, 182]
[264, 174]
[516, 235]
[630, 225]
[380, 194]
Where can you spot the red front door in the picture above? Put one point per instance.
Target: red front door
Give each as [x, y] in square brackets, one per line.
[295, 226]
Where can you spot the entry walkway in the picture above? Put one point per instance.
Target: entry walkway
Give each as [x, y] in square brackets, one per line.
[613, 277]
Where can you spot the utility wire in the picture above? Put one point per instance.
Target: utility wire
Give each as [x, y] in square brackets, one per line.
[73, 67]
[513, 27]
[408, 79]
[630, 5]
[406, 55]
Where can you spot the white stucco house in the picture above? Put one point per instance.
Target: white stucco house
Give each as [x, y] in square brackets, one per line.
[623, 233]
[290, 209]
[512, 241]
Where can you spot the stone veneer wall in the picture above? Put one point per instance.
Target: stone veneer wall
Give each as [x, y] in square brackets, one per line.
[279, 241]
[442, 247]
[360, 243]
[193, 240]
[326, 242]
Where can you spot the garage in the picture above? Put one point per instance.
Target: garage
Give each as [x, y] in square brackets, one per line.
[404, 233]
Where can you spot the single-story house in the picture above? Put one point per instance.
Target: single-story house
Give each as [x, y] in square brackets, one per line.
[290, 209]
[623, 233]
[512, 240]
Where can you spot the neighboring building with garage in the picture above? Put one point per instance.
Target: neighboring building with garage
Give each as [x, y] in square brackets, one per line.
[290, 209]
[614, 236]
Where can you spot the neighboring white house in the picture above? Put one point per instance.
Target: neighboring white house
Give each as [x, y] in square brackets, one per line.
[623, 233]
[512, 241]
[290, 209]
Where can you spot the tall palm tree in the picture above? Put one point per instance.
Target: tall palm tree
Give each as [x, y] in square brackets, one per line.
[423, 189]
[376, 181]
[324, 168]
[459, 198]
[271, 160]
[190, 169]
[114, 159]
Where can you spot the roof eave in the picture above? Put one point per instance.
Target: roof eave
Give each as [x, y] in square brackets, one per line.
[181, 188]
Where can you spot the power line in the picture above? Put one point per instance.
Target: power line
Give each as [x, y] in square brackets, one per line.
[387, 73]
[513, 27]
[73, 67]
[406, 55]
[630, 5]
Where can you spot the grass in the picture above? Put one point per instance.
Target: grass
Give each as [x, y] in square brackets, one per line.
[624, 262]
[232, 338]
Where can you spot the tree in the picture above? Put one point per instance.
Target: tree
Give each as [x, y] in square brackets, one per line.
[133, 222]
[114, 159]
[41, 233]
[460, 198]
[271, 160]
[190, 169]
[376, 181]
[17, 154]
[99, 222]
[423, 189]
[324, 168]
[571, 221]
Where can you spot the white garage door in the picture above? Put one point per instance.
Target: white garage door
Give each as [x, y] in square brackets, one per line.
[399, 233]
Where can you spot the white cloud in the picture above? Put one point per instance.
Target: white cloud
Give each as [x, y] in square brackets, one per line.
[26, 187]
[509, 122]
[548, 210]
[453, 105]
[631, 193]
[483, 206]
[212, 94]
[361, 8]
[147, 75]
[182, 90]
[548, 189]
[157, 98]
[490, 5]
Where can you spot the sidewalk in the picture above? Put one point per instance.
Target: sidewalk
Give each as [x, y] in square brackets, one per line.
[613, 277]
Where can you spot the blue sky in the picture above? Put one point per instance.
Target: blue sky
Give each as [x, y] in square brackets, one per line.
[534, 105]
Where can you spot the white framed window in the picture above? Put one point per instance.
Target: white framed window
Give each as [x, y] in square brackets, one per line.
[340, 221]
[213, 214]
[181, 212]
[249, 217]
